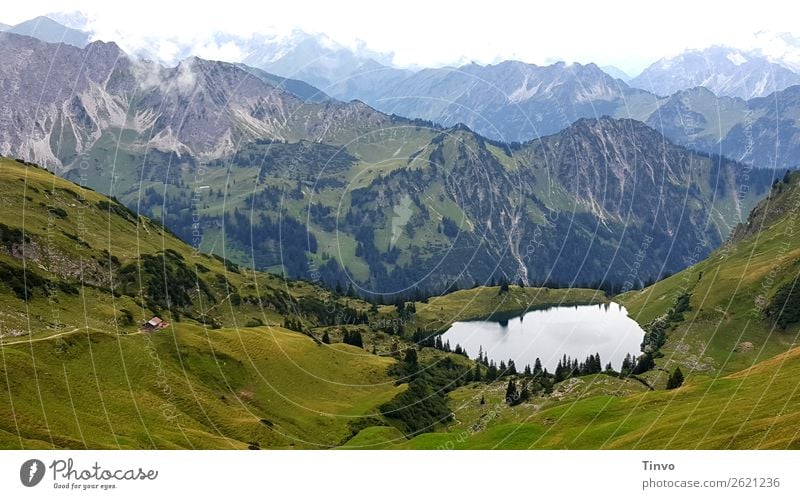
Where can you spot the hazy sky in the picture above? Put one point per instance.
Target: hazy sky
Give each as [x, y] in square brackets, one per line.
[627, 34]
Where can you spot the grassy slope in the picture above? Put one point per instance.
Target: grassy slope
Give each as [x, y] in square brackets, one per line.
[106, 386]
[727, 290]
[54, 254]
[758, 408]
[74, 375]
[733, 397]
[485, 301]
[187, 387]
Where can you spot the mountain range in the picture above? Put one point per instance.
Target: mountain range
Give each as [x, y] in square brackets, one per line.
[369, 199]
[747, 114]
[46, 29]
[513, 101]
[725, 71]
[214, 255]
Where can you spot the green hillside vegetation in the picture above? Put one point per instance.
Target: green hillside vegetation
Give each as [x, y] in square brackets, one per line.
[76, 259]
[730, 325]
[406, 205]
[82, 273]
[758, 408]
[187, 388]
[251, 360]
[742, 304]
[247, 360]
[489, 302]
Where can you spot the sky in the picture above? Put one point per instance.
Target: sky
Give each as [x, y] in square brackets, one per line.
[425, 33]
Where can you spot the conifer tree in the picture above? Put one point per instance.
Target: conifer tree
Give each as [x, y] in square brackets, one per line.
[512, 368]
[476, 374]
[675, 379]
[511, 392]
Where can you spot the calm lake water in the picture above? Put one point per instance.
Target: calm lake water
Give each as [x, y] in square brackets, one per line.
[550, 333]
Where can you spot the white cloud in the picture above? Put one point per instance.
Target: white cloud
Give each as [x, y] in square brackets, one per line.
[779, 47]
[628, 34]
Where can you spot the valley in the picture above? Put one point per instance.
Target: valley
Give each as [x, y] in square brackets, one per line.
[292, 243]
[252, 360]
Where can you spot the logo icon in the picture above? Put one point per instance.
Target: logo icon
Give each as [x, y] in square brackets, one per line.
[31, 472]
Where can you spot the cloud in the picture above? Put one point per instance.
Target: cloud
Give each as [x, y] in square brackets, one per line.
[230, 51]
[424, 33]
[783, 48]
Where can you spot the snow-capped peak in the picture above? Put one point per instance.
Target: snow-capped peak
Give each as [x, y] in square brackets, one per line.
[736, 57]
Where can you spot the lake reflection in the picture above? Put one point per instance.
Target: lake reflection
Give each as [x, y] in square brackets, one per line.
[576, 331]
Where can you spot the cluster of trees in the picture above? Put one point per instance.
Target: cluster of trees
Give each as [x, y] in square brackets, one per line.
[568, 367]
[405, 309]
[165, 280]
[11, 237]
[296, 159]
[504, 369]
[424, 404]
[23, 282]
[632, 365]
[784, 307]
[434, 340]
[675, 379]
[331, 312]
[366, 249]
[323, 216]
[282, 242]
[352, 338]
[514, 395]
[267, 197]
[349, 337]
[295, 324]
[655, 337]
[449, 228]
[495, 372]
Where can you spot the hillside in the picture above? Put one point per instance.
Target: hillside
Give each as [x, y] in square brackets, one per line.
[736, 341]
[742, 305]
[704, 101]
[49, 30]
[510, 101]
[409, 207]
[758, 408]
[375, 202]
[80, 275]
[761, 132]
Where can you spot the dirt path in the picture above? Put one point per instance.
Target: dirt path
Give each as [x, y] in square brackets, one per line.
[58, 335]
